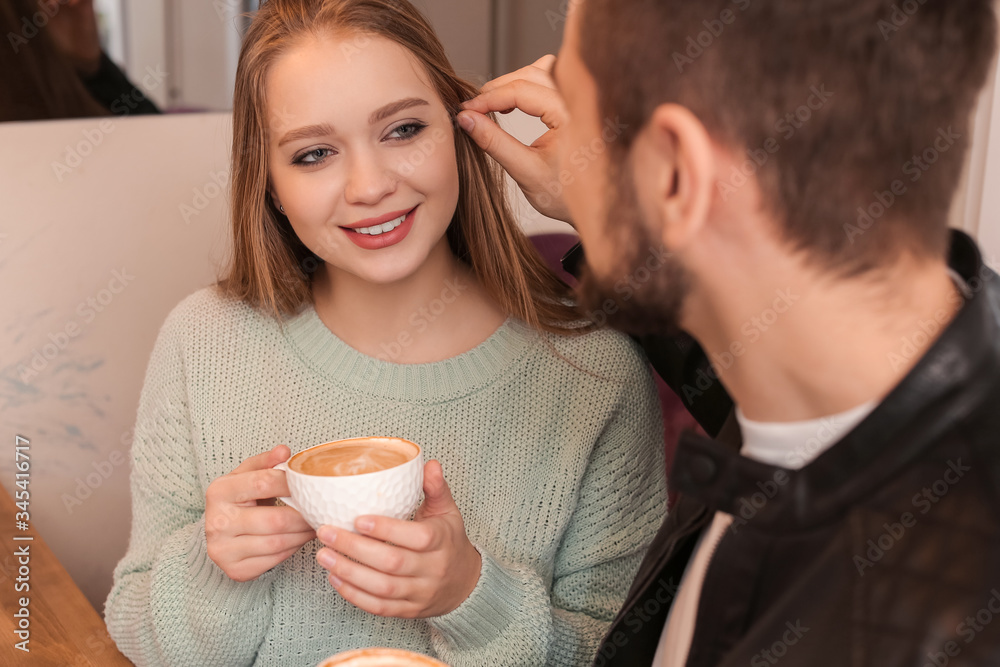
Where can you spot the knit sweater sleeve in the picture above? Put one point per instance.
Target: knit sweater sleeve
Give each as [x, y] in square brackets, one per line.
[517, 616]
[170, 604]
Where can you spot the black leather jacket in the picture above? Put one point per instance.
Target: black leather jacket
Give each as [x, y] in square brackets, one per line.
[884, 551]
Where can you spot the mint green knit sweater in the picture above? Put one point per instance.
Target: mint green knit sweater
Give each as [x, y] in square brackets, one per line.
[557, 472]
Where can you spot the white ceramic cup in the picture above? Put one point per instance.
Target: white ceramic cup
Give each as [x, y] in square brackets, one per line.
[380, 657]
[338, 501]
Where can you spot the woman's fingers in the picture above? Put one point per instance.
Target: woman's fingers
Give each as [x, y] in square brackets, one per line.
[267, 520]
[392, 559]
[248, 487]
[264, 460]
[249, 547]
[251, 568]
[365, 578]
[372, 603]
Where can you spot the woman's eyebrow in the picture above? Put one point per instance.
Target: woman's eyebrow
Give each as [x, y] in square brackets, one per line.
[309, 132]
[313, 131]
[395, 107]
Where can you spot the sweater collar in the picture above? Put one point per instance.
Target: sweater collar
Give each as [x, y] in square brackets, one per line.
[436, 382]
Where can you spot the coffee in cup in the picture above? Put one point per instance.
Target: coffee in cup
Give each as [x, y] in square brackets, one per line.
[353, 457]
[380, 657]
[336, 482]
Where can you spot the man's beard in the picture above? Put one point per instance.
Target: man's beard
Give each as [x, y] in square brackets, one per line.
[645, 292]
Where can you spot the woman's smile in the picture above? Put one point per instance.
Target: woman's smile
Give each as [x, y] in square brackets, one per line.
[382, 232]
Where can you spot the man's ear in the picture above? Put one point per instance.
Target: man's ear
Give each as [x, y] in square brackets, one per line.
[675, 151]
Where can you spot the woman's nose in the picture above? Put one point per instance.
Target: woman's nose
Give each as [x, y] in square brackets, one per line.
[368, 181]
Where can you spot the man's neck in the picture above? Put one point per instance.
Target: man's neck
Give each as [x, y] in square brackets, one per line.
[800, 345]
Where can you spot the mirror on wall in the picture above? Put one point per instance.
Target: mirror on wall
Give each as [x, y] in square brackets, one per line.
[181, 55]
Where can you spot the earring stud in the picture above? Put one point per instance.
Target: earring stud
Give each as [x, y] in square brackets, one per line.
[281, 208]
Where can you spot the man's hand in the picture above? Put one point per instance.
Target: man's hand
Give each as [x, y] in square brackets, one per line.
[405, 569]
[535, 168]
[246, 535]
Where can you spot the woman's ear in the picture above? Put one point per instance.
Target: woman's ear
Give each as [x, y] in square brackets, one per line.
[274, 197]
[674, 167]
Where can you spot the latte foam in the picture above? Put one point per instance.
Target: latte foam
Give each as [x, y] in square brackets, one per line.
[355, 457]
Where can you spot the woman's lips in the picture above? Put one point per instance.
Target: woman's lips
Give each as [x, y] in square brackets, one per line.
[380, 238]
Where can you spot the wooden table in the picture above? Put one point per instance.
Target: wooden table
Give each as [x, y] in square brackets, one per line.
[65, 630]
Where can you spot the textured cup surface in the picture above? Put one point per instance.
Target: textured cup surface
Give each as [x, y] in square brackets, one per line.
[380, 657]
[339, 500]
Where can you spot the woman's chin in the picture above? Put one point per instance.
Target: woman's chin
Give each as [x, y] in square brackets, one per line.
[387, 273]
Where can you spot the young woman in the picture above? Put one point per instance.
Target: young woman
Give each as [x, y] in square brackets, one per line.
[380, 286]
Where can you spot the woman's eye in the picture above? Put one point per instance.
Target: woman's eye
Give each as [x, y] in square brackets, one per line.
[407, 131]
[314, 156]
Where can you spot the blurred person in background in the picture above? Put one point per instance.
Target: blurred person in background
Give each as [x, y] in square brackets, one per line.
[54, 67]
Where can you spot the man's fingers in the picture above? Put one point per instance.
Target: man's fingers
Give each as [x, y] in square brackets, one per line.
[493, 139]
[265, 460]
[539, 72]
[531, 98]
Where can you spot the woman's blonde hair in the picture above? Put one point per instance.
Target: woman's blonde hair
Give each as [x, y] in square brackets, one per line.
[271, 268]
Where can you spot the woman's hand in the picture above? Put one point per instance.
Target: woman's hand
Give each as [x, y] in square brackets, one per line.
[405, 569]
[535, 168]
[246, 534]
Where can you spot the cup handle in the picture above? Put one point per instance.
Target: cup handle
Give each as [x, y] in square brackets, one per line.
[283, 466]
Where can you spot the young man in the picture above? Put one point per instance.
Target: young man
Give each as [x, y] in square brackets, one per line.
[774, 178]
